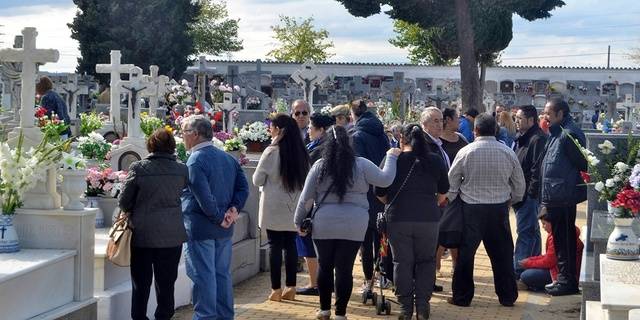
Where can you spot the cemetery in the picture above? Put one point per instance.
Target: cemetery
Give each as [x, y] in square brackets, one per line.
[60, 190]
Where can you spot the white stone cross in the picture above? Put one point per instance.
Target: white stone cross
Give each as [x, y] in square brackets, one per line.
[30, 57]
[227, 106]
[115, 69]
[73, 89]
[136, 87]
[159, 88]
[201, 73]
[308, 77]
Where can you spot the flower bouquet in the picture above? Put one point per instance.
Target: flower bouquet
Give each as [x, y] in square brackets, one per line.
[89, 122]
[99, 181]
[256, 135]
[94, 146]
[179, 93]
[149, 124]
[253, 103]
[51, 126]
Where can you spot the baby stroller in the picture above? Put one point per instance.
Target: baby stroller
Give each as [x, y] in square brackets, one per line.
[383, 272]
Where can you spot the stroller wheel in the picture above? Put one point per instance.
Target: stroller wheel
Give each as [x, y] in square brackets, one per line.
[387, 307]
[379, 308]
[374, 298]
[365, 297]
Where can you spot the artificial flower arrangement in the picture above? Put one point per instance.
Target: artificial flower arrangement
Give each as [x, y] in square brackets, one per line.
[220, 88]
[257, 132]
[90, 122]
[51, 126]
[70, 161]
[149, 124]
[253, 102]
[179, 93]
[21, 170]
[102, 181]
[94, 146]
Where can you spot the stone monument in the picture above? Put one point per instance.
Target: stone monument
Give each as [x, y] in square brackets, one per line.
[115, 69]
[308, 76]
[201, 72]
[158, 90]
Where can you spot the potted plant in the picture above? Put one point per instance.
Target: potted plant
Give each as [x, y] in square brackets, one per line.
[73, 180]
[99, 182]
[623, 243]
[256, 135]
[94, 147]
[149, 124]
[235, 147]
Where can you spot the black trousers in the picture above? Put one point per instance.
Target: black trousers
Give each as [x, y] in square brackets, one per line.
[563, 221]
[147, 264]
[370, 250]
[338, 255]
[279, 241]
[488, 223]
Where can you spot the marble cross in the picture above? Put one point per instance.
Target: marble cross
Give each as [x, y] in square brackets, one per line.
[158, 90]
[400, 90]
[115, 69]
[72, 88]
[201, 73]
[227, 106]
[30, 57]
[136, 87]
[308, 77]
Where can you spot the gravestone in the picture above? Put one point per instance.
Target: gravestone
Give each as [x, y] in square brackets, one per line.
[158, 90]
[201, 72]
[233, 79]
[115, 69]
[227, 106]
[132, 148]
[400, 90]
[73, 89]
[308, 76]
[507, 86]
[253, 79]
[44, 195]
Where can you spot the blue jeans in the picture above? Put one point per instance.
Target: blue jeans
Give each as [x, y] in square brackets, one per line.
[528, 243]
[536, 279]
[209, 267]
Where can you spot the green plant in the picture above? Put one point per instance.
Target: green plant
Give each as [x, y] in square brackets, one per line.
[94, 146]
[149, 124]
[234, 144]
[89, 122]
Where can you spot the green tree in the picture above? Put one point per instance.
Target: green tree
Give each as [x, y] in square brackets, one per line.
[420, 43]
[146, 32]
[213, 32]
[468, 29]
[299, 41]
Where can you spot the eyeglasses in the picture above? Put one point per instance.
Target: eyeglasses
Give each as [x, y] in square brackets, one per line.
[298, 113]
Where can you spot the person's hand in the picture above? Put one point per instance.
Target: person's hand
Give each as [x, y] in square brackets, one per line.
[521, 263]
[442, 200]
[233, 214]
[394, 151]
[302, 233]
[226, 223]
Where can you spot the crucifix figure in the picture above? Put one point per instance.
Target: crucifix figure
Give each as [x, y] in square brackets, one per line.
[115, 69]
[201, 73]
[157, 90]
[44, 195]
[3, 229]
[136, 85]
[400, 90]
[227, 107]
[308, 77]
[72, 89]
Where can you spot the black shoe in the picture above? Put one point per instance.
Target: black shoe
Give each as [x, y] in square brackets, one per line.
[308, 291]
[507, 304]
[562, 290]
[451, 301]
[437, 288]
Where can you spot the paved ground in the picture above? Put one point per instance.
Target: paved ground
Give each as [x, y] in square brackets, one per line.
[251, 302]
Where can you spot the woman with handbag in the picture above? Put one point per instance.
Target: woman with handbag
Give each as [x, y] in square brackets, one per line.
[412, 218]
[151, 195]
[281, 171]
[338, 184]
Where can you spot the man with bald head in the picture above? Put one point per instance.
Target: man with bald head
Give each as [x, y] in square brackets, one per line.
[301, 112]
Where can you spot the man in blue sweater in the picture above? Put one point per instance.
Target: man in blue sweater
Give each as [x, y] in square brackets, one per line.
[217, 190]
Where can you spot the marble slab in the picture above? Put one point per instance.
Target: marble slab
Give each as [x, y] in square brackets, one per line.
[619, 286]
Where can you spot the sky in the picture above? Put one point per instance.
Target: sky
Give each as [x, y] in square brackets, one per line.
[576, 35]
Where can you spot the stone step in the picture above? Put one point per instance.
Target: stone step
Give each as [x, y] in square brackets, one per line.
[34, 282]
[594, 311]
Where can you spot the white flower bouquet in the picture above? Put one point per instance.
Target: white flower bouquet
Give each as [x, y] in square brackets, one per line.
[94, 146]
[256, 132]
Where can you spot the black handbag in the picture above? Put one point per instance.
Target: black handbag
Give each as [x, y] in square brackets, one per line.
[451, 225]
[307, 224]
[381, 218]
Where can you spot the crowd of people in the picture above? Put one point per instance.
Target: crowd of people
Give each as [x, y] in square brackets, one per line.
[335, 185]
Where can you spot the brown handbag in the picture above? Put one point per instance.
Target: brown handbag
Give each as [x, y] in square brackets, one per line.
[119, 246]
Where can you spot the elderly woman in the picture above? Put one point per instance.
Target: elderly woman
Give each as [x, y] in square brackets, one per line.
[151, 197]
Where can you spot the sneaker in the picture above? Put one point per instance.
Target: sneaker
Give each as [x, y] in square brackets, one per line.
[308, 291]
[562, 290]
[323, 315]
[446, 254]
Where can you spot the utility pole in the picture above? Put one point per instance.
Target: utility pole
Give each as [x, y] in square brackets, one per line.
[609, 57]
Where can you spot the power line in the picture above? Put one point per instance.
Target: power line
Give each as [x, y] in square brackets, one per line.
[546, 44]
[563, 56]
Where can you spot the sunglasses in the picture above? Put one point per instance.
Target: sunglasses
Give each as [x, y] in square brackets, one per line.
[298, 113]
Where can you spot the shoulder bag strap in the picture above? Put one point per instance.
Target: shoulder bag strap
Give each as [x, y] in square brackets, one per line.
[313, 212]
[402, 185]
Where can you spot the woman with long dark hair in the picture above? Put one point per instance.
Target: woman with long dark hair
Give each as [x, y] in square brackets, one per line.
[319, 127]
[412, 220]
[338, 185]
[281, 173]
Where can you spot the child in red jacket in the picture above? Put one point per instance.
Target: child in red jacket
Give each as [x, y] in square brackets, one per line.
[542, 270]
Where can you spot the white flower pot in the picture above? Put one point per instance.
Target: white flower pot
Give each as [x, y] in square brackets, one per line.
[73, 186]
[8, 236]
[92, 202]
[623, 243]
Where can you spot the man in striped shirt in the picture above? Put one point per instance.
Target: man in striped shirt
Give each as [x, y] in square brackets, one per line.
[488, 177]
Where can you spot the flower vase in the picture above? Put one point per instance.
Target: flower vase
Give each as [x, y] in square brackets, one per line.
[73, 185]
[92, 202]
[623, 243]
[8, 236]
[255, 146]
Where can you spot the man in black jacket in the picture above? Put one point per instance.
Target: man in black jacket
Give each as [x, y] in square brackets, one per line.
[562, 189]
[529, 148]
[370, 142]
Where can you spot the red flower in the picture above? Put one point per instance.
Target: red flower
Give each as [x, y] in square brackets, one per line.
[199, 106]
[628, 199]
[585, 176]
[217, 116]
[40, 112]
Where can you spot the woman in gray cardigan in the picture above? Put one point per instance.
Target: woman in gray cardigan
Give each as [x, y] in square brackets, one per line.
[151, 197]
[280, 173]
[338, 184]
